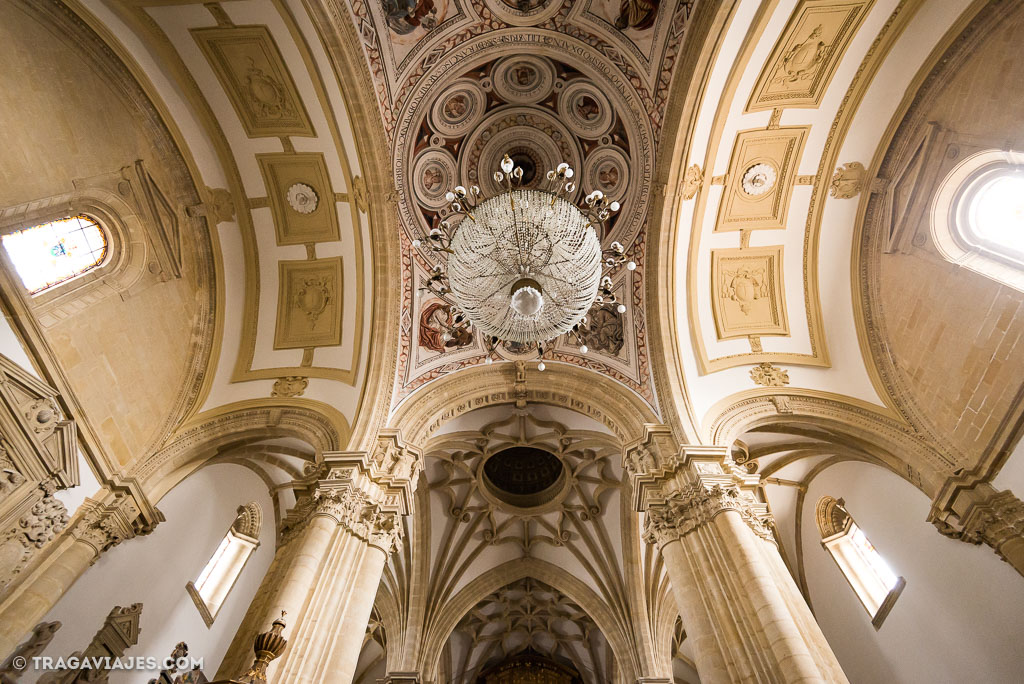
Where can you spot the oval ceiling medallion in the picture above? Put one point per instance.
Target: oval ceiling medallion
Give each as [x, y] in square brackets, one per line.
[585, 109]
[523, 476]
[433, 173]
[458, 108]
[758, 179]
[523, 79]
[303, 198]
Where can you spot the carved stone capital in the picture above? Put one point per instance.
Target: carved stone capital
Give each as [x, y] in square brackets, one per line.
[684, 512]
[682, 487]
[997, 520]
[366, 492]
[104, 525]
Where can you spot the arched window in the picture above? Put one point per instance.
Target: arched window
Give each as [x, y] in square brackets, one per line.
[51, 253]
[874, 582]
[223, 569]
[978, 215]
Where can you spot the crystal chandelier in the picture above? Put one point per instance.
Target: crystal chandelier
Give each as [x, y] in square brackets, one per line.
[524, 266]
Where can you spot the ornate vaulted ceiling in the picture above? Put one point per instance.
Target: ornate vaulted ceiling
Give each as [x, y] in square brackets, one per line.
[462, 83]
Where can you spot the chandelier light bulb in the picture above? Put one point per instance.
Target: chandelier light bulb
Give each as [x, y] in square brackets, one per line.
[525, 265]
[527, 301]
[614, 206]
[584, 349]
[416, 243]
[488, 360]
[630, 265]
[541, 366]
[449, 196]
[621, 308]
[446, 337]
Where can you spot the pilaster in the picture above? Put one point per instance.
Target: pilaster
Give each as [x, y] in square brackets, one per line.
[334, 544]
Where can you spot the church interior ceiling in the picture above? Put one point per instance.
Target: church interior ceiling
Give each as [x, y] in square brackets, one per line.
[462, 83]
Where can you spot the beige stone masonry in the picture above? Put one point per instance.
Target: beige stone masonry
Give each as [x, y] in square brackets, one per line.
[737, 600]
[334, 545]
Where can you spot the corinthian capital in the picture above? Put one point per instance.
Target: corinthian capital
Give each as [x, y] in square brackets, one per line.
[682, 487]
[103, 525]
[685, 511]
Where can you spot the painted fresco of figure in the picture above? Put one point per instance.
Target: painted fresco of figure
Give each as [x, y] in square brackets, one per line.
[405, 16]
[434, 320]
[637, 14]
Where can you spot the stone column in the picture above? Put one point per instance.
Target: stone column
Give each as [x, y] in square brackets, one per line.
[736, 598]
[96, 527]
[326, 572]
[981, 514]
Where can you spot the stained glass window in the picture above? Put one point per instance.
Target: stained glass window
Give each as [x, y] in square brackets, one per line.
[53, 252]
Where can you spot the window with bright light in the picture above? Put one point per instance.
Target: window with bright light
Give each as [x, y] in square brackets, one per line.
[50, 253]
[978, 215]
[874, 582]
[221, 572]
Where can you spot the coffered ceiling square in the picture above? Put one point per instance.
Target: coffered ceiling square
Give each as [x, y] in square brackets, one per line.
[807, 54]
[301, 198]
[250, 68]
[309, 304]
[760, 181]
[747, 293]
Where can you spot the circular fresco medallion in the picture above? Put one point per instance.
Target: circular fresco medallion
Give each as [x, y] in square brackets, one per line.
[433, 174]
[523, 79]
[524, 12]
[458, 108]
[607, 170]
[585, 109]
[533, 138]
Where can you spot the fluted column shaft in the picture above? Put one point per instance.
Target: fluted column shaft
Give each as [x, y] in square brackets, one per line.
[738, 602]
[326, 573]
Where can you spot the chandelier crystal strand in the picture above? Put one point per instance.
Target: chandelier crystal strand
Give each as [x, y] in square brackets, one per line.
[526, 265]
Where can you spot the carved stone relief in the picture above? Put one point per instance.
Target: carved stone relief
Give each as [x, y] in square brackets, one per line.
[807, 54]
[120, 631]
[253, 74]
[309, 304]
[760, 181]
[748, 295]
[301, 198]
[768, 375]
[291, 386]
[848, 181]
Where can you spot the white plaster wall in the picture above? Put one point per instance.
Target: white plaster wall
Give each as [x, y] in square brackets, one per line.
[154, 570]
[959, 618]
